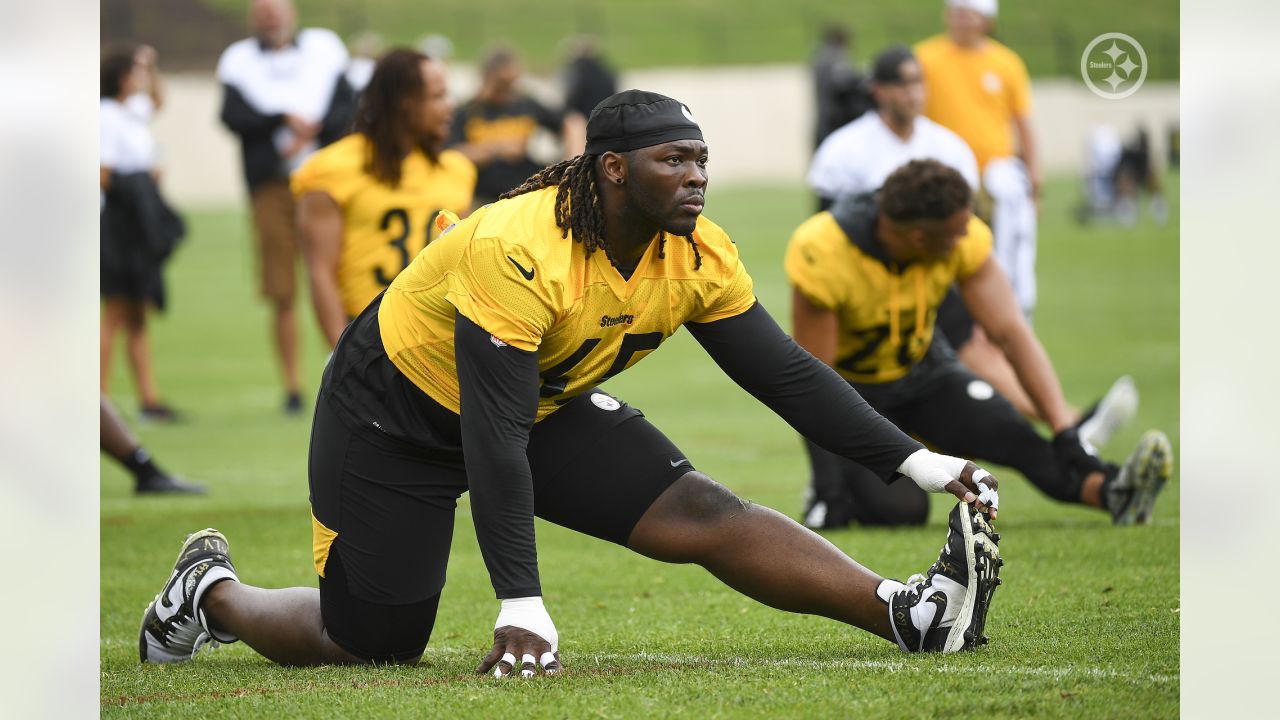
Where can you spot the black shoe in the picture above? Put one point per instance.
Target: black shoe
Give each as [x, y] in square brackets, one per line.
[827, 513]
[161, 483]
[293, 404]
[161, 413]
[946, 610]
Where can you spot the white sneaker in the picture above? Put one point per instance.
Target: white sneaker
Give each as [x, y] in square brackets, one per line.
[1115, 410]
[174, 627]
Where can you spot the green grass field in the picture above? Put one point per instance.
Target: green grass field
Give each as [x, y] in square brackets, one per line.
[1086, 624]
[1049, 34]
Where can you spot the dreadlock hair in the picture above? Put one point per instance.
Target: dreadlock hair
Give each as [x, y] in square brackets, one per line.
[382, 117]
[924, 190]
[579, 208]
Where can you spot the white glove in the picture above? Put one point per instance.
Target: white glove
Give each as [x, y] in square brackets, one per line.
[530, 614]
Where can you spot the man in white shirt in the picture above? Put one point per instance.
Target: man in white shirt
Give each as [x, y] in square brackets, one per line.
[285, 96]
[859, 156]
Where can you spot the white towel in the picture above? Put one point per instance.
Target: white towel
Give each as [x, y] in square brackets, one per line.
[1013, 226]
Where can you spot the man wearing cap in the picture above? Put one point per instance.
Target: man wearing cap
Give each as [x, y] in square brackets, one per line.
[979, 88]
[858, 157]
[477, 370]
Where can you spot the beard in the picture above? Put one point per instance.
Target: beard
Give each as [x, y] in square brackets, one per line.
[669, 218]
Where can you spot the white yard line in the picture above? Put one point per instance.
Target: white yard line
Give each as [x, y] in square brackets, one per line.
[904, 666]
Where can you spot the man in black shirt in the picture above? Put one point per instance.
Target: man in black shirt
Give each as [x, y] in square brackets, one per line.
[495, 127]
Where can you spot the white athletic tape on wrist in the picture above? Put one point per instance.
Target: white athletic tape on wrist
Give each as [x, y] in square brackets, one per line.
[932, 471]
[530, 614]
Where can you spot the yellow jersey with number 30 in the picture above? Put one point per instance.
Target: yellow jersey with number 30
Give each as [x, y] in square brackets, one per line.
[507, 269]
[384, 227]
[886, 312]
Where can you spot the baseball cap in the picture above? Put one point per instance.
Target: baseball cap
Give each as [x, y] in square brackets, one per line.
[985, 7]
[635, 119]
[887, 68]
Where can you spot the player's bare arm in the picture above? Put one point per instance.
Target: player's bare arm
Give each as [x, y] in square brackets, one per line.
[989, 297]
[814, 327]
[320, 227]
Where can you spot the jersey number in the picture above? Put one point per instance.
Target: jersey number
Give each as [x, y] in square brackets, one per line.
[400, 242]
[556, 379]
[871, 340]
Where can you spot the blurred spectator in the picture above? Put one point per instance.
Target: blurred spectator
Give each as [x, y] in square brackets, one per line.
[119, 443]
[1102, 156]
[841, 92]
[365, 50]
[366, 204]
[1116, 175]
[285, 95]
[435, 46]
[979, 88]
[858, 157]
[1135, 174]
[587, 80]
[495, 127]
[138, 229]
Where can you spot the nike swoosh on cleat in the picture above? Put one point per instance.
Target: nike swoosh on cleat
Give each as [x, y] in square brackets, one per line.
[528, 274]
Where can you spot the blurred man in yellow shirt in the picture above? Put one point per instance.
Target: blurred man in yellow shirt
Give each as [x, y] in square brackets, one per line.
[979, 89]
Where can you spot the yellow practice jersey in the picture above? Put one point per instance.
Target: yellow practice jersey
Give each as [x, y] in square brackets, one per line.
[507, 269]
[975, 93]
[886, 312]
[384, 227]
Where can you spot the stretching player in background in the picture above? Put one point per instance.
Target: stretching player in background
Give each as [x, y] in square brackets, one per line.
[868, 277]
[366, 202]
[121, 445]
[516, 315]
[856, 159]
